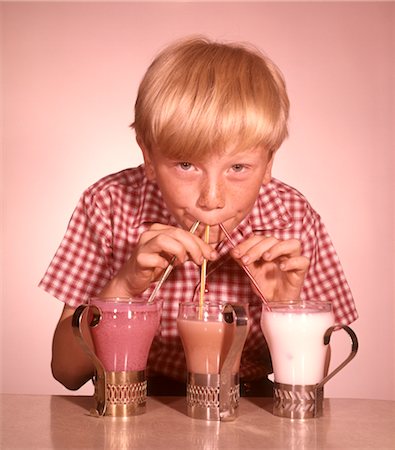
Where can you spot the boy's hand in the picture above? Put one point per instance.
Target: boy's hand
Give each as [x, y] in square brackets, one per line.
[152, 255]
[277, 266]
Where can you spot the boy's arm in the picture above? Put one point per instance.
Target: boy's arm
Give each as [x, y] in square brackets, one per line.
[70, 365]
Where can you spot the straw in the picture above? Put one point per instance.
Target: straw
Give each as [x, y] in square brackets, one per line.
[169, 268]
[203, 272]
[246, 270]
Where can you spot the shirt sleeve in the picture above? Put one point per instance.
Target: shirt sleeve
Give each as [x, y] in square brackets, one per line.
[325, 279]
[82, 264]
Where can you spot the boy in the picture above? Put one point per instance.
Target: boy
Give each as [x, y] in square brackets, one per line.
[209, 118]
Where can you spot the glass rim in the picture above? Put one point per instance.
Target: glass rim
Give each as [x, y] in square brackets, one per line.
[211, 302]
[297, 304]
[124, 300]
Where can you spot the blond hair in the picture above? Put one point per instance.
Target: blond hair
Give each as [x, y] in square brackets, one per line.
[200, 96]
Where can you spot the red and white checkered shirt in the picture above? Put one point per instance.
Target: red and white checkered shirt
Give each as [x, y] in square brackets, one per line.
[112, 214]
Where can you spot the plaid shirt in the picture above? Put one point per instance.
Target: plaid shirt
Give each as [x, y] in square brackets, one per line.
[112, 214]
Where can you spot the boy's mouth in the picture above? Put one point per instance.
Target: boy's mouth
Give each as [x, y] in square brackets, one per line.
[189, 220]
[216, 234]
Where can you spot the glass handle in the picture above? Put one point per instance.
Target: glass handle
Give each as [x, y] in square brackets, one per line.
[354, 349]
[100, 377]
[237, 315]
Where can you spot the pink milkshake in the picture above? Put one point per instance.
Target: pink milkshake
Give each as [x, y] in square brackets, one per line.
[122, 331]
[124, 335]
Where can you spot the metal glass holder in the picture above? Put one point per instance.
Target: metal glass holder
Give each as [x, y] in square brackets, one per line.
[125, 393]
[298, 401]
[306, 401]
[204, 397]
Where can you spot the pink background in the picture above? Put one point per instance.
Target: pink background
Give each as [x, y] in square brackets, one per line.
[70, 75]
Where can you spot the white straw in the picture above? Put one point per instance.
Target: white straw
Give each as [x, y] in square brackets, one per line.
[203, 273]
[169, 268]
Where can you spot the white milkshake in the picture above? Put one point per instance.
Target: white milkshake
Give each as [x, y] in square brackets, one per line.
[295, 340]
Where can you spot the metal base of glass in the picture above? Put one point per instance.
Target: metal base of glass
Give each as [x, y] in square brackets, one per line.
[126, 393]
[203, 396]
[298, 401]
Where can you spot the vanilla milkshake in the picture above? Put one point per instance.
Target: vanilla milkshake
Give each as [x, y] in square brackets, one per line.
[295, 339]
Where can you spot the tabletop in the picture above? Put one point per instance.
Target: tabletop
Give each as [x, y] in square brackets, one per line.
[54, 422]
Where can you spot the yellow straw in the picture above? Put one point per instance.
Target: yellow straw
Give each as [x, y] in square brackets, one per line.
[203, 272]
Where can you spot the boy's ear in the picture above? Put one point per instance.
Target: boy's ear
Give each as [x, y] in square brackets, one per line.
[148, 166]
[268, 172]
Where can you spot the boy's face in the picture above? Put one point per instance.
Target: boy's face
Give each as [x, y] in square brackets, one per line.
[221, 189]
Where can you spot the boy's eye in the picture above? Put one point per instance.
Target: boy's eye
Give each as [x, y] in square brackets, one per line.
[185, 165]
[237, 167]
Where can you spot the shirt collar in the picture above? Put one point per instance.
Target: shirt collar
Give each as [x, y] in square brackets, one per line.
[269, 212]
[153, 208]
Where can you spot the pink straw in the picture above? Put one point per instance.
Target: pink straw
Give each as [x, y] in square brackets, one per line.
[247, 271]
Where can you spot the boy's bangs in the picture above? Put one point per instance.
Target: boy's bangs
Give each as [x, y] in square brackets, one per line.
[197, 134]
[234, 120]
[200, 98]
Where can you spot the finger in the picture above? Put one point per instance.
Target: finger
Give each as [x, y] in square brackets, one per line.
[252, 248]
[165, 244]
[151, 261]
[295, 264]
[289, 248]
[180, 243]
[153, 231]
[181, 235]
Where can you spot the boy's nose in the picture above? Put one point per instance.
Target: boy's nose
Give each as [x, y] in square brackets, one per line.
[212, 195]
